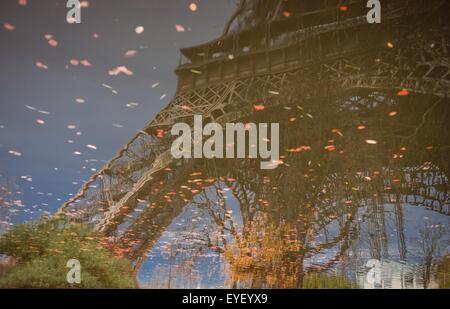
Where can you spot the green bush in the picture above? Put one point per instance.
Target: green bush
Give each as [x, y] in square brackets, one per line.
[325, 281]
[42, 249]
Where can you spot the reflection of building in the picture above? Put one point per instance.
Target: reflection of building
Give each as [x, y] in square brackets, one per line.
[350, 76]
[284, 49]
[386, 274]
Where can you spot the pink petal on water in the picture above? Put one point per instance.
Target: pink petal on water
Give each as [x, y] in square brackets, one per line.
[41, 65]
[9, 27]
[139, 30]
[180, 28]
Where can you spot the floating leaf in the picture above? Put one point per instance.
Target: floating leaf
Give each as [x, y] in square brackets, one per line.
[179, 28]
[130, 53]
[330, 148]
[159, 133]
[392, 114]
[9, 27]
[193, 7]
[85, 63]
[139, 29]
[41, 65]
[403, 93]
[15, 153]
[196, 71]
[120, 69]
[52, 42]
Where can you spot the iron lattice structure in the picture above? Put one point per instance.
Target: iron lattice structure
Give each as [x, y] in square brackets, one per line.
[320, 51]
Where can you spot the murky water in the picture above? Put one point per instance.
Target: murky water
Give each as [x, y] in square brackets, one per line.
[360, 201]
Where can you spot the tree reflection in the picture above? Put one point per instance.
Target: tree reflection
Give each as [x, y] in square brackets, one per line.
[348, 164]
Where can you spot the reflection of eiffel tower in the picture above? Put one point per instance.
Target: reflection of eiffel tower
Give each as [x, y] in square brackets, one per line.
[317, 49]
